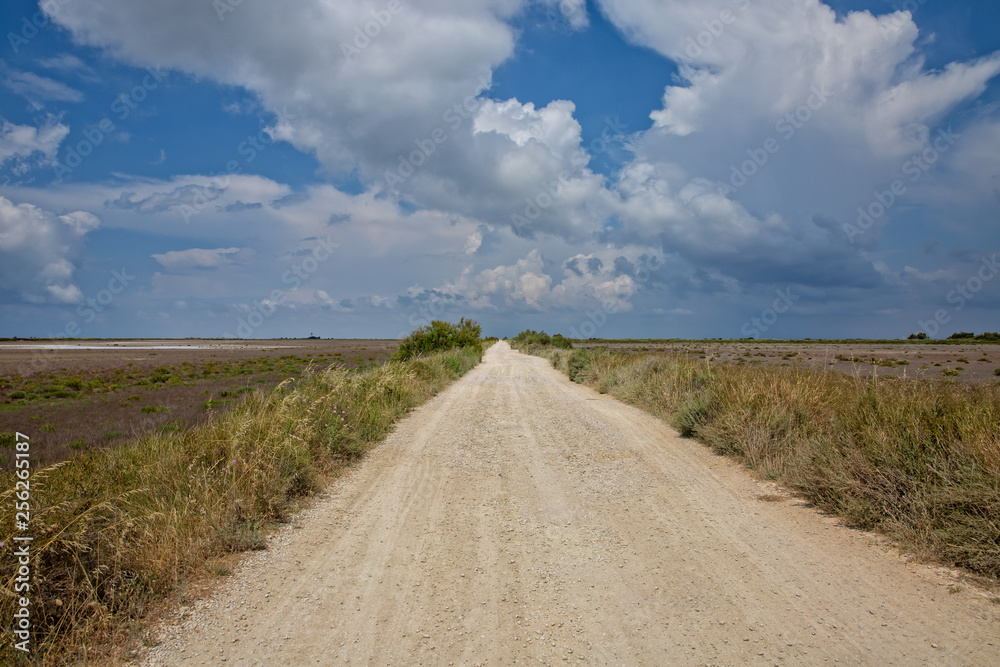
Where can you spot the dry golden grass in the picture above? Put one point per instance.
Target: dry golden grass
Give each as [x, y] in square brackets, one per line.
[118, 529]
[916, 460]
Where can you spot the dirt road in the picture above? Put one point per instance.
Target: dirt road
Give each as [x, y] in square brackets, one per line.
[519, 518]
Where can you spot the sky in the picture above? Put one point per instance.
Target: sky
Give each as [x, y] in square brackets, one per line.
[615, 168]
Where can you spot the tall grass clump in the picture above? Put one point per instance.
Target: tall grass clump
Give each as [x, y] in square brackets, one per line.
[116, 530]
[916, 460]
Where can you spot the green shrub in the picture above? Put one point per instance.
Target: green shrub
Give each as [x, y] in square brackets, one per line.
[561, 341]
[531, 337]
[578, 364]
[440, 336]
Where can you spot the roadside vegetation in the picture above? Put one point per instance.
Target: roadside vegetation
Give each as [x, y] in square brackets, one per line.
[439, 336]
[93, 399]
[119, 530]
[916, 460]
[532, 337]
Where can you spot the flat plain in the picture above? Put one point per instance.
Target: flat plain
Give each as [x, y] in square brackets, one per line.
[72, 395]
[972, 362]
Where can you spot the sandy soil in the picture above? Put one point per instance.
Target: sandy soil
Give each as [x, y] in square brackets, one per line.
[520, 518]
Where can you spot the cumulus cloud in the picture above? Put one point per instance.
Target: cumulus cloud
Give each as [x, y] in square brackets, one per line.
[301, 58]
[607, 277]
[843, 101]
[40, 252]
[770, 55]
[370, 103]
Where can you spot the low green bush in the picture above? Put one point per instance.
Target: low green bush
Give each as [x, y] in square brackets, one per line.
[439, 336]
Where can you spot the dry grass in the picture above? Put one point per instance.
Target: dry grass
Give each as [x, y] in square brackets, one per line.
[118, 529]
[917, 460]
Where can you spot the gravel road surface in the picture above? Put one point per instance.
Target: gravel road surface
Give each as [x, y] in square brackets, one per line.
[519, 518]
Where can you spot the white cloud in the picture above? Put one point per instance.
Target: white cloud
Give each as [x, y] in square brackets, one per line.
[844, 101]
[552, 127]
[26, 146]
[67, 62]
[37, 89]
[370, 106]
[39, 251]
[202, 258]
[369, 110]
[474, 242]
[604, 277]
[767, 59]
[80, 222]
[514, 164]
[523, 284]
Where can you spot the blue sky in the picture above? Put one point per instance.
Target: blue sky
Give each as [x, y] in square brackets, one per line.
[709, 168]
